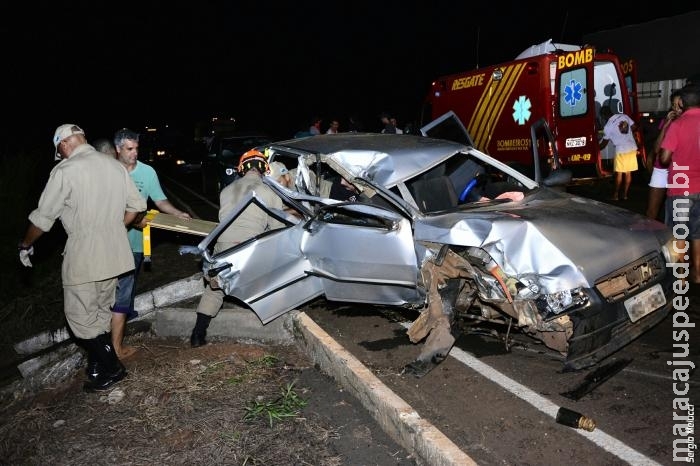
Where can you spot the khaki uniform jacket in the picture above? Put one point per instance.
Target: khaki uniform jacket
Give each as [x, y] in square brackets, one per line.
[253, 220]
[90, 192]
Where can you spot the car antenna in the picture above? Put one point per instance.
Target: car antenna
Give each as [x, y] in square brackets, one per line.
[563, 26]
[478, 33]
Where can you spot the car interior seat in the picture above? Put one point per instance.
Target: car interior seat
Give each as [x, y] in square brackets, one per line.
[434, 194]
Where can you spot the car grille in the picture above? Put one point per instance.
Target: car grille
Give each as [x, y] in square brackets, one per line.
[631, 278]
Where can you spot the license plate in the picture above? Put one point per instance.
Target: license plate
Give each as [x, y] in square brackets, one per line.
[645, 302]
[575, 142]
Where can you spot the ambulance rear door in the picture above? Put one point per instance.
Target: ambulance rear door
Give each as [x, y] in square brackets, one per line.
[575, 112]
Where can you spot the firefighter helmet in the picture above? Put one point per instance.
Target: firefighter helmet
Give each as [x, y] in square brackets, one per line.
[253, 159]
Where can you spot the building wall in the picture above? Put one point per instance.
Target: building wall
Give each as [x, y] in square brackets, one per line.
[664, 49]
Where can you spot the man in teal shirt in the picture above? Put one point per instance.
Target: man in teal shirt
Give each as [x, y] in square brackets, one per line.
[146, 180]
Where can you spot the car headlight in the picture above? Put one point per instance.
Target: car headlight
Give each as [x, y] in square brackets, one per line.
[179, 162]
[559, 301]
[552, 304]
[671, 253]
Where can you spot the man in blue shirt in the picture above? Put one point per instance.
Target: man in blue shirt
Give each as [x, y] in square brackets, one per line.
[146, 180]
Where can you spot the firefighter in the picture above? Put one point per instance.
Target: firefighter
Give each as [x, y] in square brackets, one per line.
[251, 222]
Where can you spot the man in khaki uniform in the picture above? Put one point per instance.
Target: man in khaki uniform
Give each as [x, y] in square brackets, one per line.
[252, 221]
[94, 197]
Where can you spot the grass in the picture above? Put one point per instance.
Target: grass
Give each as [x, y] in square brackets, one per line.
[287, 405]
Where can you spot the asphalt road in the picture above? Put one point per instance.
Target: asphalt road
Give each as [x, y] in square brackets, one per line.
[499, 402]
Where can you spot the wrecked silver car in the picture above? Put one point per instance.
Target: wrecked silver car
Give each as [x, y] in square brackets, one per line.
[442, 228]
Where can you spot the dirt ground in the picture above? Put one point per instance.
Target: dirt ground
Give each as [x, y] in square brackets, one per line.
[180, 405]
[209, 405]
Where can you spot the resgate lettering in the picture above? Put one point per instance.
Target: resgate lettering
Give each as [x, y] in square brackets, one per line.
[468, 81]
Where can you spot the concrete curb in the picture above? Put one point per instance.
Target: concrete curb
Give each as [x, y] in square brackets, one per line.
[238, 323]
[145, 304]
[394, 415]
[172, 293]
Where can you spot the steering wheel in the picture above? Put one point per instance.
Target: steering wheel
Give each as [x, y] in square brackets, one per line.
[467, 189]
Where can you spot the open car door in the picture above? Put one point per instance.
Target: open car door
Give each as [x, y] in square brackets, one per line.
[448, 126]
[267, 272]
[279, 270]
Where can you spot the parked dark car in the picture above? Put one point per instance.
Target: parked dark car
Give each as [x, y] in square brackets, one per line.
[188, 158]
[221, 165]
[175, 156]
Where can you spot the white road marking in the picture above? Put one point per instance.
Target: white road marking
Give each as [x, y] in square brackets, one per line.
[600, 438]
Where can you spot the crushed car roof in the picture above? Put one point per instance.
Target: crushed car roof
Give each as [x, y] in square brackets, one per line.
[385, 159]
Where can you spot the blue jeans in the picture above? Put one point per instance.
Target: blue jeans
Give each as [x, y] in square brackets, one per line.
[126, 289]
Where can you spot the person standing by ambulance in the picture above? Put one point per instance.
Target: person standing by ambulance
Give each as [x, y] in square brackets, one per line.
[620, 130]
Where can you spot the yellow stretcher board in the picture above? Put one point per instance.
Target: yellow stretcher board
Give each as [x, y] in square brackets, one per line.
[192, 226]
[156, 219]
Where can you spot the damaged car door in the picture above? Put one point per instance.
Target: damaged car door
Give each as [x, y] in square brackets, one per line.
[376, 261]
[279, 270]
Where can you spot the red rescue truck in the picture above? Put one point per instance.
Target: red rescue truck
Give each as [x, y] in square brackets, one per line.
[570, 88]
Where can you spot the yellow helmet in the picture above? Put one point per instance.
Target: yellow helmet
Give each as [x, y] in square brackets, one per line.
[253, 159]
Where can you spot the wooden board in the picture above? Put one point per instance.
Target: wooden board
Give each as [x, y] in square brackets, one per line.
[193, 226]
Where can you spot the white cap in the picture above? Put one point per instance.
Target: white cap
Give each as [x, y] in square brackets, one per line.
[63, 132]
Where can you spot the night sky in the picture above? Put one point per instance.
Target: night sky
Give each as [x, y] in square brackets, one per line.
[272, 65]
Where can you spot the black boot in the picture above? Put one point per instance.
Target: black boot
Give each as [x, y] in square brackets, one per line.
[93, 369]
[93, 365]
[199, 333]
[109, 369]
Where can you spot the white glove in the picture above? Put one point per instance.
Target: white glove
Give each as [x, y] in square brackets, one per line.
[24, 256]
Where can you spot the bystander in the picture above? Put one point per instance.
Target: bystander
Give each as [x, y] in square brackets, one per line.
[146, 180]
[105, 146]
[315, 127]
[387, 126]
[659, 173]
[680, 148]
[620, 130]
[333, 127]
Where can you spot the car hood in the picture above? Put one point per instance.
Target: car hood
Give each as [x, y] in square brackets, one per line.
[542, 236]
